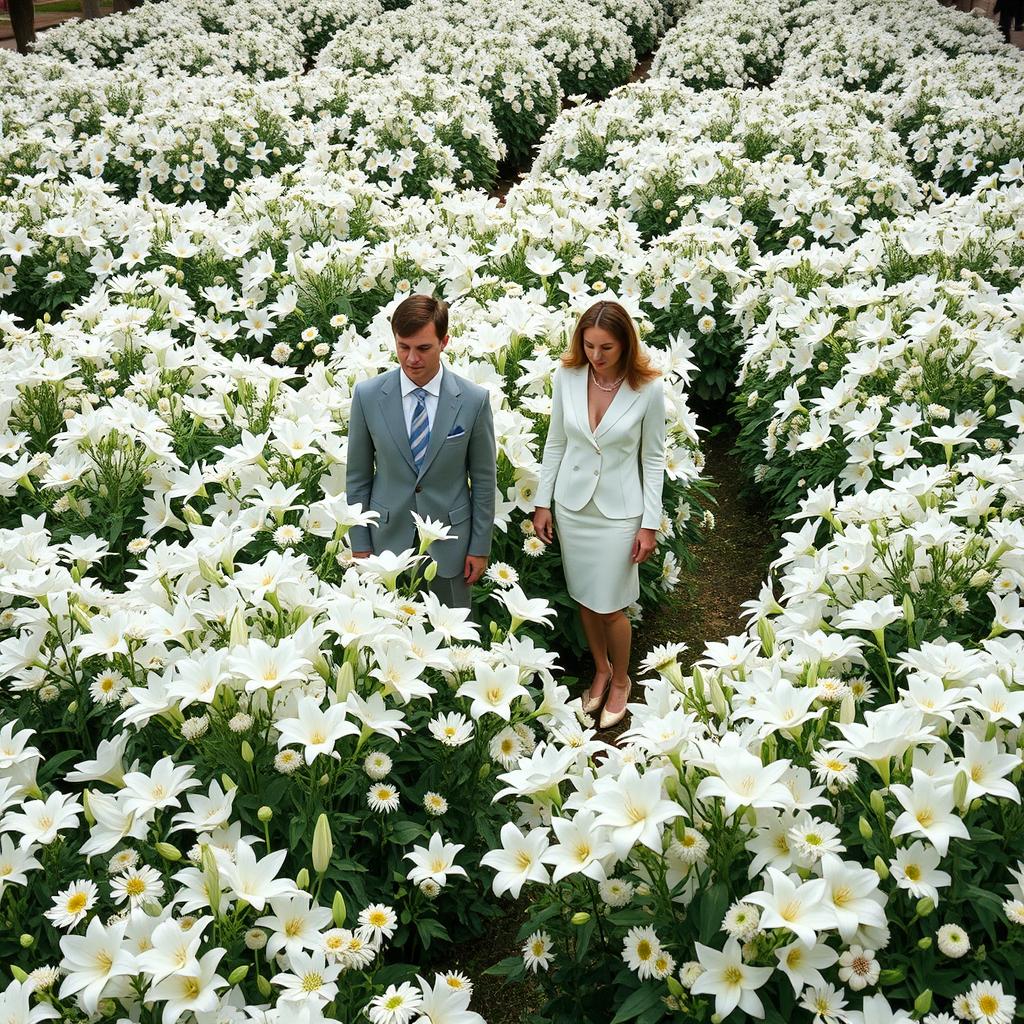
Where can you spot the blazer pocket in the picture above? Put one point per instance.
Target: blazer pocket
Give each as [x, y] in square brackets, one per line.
[455, 437]
[460, 514]
[381, 511]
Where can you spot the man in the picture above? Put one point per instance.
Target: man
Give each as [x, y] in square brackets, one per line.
[421, 438]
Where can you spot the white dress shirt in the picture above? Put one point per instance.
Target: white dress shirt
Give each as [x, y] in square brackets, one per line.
[433, 390]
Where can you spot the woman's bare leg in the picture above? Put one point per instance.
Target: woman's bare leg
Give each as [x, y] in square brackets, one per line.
[593, 626]
[618, 638]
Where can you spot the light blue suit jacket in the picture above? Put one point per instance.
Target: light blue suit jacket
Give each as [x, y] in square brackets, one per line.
[455, 484]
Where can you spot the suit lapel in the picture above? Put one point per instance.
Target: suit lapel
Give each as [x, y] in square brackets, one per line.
[623, 401]
[578, 384]
[449, 402]
[394, 415]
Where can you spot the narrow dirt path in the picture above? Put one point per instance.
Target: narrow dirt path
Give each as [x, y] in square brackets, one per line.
[730, 566]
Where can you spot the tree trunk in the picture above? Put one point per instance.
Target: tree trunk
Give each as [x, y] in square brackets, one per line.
[91, 8]
[120, 6]
[23, 20]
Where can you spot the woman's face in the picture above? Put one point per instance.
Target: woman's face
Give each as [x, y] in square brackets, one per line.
[603, 351]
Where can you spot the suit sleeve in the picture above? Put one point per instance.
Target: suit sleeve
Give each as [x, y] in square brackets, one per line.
[652, 455]
[554, 447]
[359, 469]
[483, 467]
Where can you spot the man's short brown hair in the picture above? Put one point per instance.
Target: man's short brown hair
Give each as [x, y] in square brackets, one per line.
[415, 312]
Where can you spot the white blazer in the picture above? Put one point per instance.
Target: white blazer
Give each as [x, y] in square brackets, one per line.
[606, 464]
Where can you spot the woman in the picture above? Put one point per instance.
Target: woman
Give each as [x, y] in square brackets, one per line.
[604, 464]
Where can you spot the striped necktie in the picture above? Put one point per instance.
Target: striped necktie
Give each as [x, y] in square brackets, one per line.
[419, 430]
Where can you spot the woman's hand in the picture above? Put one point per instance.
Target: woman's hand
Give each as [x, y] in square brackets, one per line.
[644, 544]
[542, 524]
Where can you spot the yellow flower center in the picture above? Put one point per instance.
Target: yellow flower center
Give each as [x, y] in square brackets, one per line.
[76, 904]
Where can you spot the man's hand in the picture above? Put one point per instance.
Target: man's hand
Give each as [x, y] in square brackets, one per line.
[361, 554]
[644, 544]
[475, 565]
[542, 524]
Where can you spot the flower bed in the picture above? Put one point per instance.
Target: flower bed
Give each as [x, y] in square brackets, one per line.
[820, 820]
[226, 748]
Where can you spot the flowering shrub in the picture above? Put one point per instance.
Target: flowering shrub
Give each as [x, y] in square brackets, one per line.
[907, 358]
[717, 45]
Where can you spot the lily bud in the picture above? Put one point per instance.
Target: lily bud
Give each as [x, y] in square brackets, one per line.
[990, 396]
[207, 571]
[923, 1003]
[908, 610]
[227, 782]
[344, 681]
[925, 943]
[191, 516]
[338, 910]
[211, 876]
[247, 752]
[302, 878]
[323, 844]
[847, 709]
[718, 698]
[239, 630]
[26, 941]
[485, 770]
[168, 852]
[878, 803]
[263, 985]
[960, 789]
[582, 917]
[892, 977]
[19, 973]
[990, 411]
[866, 831]
[766, 634]
[265, 813]
[430, 572]
[238, 974]
[89, 817]
[925, 906]
[674, 987]
[698, 681]
[881, 868]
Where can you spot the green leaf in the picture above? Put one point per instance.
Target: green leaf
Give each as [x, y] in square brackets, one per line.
[506, 968]
[713, 906]
[406, 831]
[637, 1002]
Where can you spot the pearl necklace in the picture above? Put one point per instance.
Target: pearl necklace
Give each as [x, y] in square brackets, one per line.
[604, 387]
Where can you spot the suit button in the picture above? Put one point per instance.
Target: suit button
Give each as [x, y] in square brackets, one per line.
[574, 468]
[418, 488]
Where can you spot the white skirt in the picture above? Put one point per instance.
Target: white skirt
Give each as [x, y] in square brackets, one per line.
[596, 554]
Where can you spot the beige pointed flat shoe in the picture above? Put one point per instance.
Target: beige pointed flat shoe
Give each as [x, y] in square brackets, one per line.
[591, 704]
[610, 718]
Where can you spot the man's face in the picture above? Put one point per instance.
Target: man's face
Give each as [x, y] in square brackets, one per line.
[420, 354]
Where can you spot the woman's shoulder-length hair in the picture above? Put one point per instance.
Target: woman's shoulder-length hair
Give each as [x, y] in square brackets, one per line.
[613, 318]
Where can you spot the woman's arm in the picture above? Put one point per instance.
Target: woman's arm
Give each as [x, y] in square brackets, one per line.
[652, 455]
[554, 447]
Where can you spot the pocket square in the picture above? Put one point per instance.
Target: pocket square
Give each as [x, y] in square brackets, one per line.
[456, 431]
